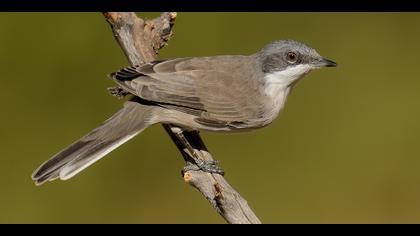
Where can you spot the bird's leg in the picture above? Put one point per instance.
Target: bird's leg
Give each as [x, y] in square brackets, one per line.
[206, 166]
[118, 92]
[199, 163]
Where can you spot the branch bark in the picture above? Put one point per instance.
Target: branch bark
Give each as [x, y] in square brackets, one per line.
[141, 40]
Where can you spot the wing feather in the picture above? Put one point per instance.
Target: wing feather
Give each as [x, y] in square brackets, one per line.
[214, 87]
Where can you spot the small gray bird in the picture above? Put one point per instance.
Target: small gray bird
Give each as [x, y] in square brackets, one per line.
[219, 94]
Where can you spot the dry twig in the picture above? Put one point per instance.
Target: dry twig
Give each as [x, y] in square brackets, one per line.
[141, 40]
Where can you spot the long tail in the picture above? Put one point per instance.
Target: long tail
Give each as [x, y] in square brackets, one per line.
[121, 127]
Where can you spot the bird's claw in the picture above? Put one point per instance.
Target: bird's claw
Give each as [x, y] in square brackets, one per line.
[206, 166]
[117, 92]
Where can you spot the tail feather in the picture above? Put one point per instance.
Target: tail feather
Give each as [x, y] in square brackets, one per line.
[121, 127]
[97, 152]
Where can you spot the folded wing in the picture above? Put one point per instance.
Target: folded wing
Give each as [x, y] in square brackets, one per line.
[218, 90]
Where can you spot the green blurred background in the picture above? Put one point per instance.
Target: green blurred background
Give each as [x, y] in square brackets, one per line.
[345, 149]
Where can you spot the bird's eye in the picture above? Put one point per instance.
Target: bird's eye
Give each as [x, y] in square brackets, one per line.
[291, 57]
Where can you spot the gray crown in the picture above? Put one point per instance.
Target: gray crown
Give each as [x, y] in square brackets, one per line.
[274, 56]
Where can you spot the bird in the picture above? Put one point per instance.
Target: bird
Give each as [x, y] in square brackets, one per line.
[223, 93]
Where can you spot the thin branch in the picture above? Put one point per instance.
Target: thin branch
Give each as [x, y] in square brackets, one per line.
[141, 40]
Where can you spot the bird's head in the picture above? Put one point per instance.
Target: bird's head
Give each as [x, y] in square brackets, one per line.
[288, 60]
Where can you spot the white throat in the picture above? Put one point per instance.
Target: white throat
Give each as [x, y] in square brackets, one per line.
[286, 77]
[277, 83]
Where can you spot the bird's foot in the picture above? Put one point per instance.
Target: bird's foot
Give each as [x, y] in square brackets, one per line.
[206, 166]
[117, 92]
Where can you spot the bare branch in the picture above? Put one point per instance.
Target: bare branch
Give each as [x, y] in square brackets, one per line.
[141, 40]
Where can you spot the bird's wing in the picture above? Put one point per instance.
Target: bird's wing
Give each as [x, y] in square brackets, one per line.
[216, 89]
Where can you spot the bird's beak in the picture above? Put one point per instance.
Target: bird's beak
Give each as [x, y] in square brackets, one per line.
[324, 62]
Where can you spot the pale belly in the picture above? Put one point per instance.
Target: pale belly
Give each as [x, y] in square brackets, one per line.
[273, 103]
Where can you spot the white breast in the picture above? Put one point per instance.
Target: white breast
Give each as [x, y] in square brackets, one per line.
[277, 85]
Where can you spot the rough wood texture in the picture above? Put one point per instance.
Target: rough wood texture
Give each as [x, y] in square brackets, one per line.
[141, 40]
